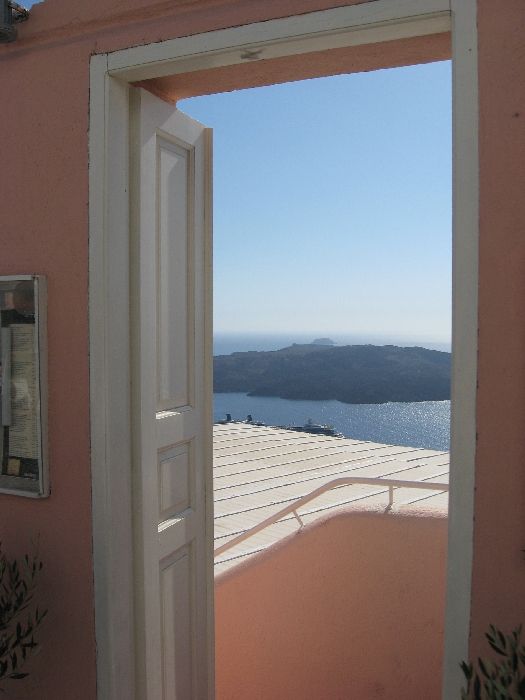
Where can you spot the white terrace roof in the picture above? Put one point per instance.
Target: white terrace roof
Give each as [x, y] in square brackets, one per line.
[258, 470]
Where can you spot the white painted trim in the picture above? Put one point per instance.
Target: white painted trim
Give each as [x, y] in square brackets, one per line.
[464, 341]
[109, 383]
[208, 410]
[380, 20]
[210, 58]
[367, 23]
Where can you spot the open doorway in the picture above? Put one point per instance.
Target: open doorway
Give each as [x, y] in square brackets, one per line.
[136, 67]
[332, 279]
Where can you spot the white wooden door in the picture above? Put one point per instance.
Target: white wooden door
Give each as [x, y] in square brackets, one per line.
[171, 401]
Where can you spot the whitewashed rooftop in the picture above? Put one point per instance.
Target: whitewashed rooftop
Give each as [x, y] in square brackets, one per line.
[258, 470]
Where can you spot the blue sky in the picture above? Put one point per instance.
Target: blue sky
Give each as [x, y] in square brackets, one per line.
[332, 204]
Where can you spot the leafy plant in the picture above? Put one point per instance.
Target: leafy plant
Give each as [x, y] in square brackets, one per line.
[503, 679]
[19, 618]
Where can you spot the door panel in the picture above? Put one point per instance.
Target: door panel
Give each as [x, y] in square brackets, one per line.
[177, 616]
[171, 401]
[175, 472]
[176, 189]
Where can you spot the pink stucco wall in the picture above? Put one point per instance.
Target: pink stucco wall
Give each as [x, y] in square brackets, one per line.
[498, 578]
[44, 229]
[349, 608]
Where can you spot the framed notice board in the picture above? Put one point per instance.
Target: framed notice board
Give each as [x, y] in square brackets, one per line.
[23, 386]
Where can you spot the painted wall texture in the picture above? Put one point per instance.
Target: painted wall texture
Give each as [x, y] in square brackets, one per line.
[44, 102]
[499, 557]
[349, 608]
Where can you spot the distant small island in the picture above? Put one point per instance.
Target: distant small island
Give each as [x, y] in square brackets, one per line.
[349, 373]
[323, 341]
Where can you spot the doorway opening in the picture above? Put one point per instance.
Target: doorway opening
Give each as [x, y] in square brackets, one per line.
[332, 284]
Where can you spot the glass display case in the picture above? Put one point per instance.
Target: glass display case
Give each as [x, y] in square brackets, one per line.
[23, 404]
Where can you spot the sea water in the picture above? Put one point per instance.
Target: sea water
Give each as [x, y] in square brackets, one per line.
[421, 424]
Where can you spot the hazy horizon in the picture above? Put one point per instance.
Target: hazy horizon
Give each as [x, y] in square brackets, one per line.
[224, 342]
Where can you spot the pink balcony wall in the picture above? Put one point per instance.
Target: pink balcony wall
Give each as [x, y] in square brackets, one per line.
[350, 608]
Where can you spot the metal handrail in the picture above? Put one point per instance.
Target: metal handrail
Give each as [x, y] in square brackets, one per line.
[335, 483]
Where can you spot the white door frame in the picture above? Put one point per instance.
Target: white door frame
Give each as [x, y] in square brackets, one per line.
[111, 75]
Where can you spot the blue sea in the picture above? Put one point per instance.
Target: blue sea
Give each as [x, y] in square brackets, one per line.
[422, 424]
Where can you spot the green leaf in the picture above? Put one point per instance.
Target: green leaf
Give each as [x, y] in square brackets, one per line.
[477, 688]
[496, 646]
[467, 670]
[18, 676]
[502, 639]
[484, 668]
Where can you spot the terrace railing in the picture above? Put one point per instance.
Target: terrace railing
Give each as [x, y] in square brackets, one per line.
[292, 508]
